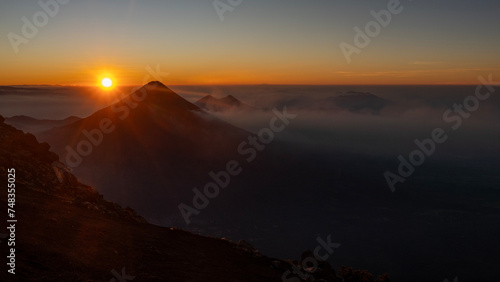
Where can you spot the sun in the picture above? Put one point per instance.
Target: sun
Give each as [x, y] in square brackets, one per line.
[106, 82]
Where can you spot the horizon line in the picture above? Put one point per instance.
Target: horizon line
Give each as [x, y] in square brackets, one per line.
[255, 84]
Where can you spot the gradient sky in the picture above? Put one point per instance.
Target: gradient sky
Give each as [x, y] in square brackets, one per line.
[260, 41]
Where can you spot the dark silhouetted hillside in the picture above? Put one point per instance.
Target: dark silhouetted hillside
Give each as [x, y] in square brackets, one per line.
[158, 140]
[67, 232]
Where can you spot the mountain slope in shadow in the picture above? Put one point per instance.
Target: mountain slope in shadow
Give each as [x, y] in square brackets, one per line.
[148, 150]
[67, 232]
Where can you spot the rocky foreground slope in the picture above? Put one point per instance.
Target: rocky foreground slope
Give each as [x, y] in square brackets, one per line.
[66, 231]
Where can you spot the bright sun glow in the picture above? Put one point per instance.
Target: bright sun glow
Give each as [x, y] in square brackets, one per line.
[106, 82]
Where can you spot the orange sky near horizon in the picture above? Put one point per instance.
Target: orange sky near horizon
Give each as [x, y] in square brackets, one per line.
[412, 74]
[297, 43]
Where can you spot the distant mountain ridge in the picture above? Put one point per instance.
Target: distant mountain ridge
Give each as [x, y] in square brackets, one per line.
[225, 104]
[352, 101]
[359, 102]
[34, 125]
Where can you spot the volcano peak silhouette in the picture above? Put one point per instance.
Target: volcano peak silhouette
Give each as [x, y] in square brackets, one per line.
[156, 83]
[156, 96]
[147, 150]
[231, 100]
[228, 103]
